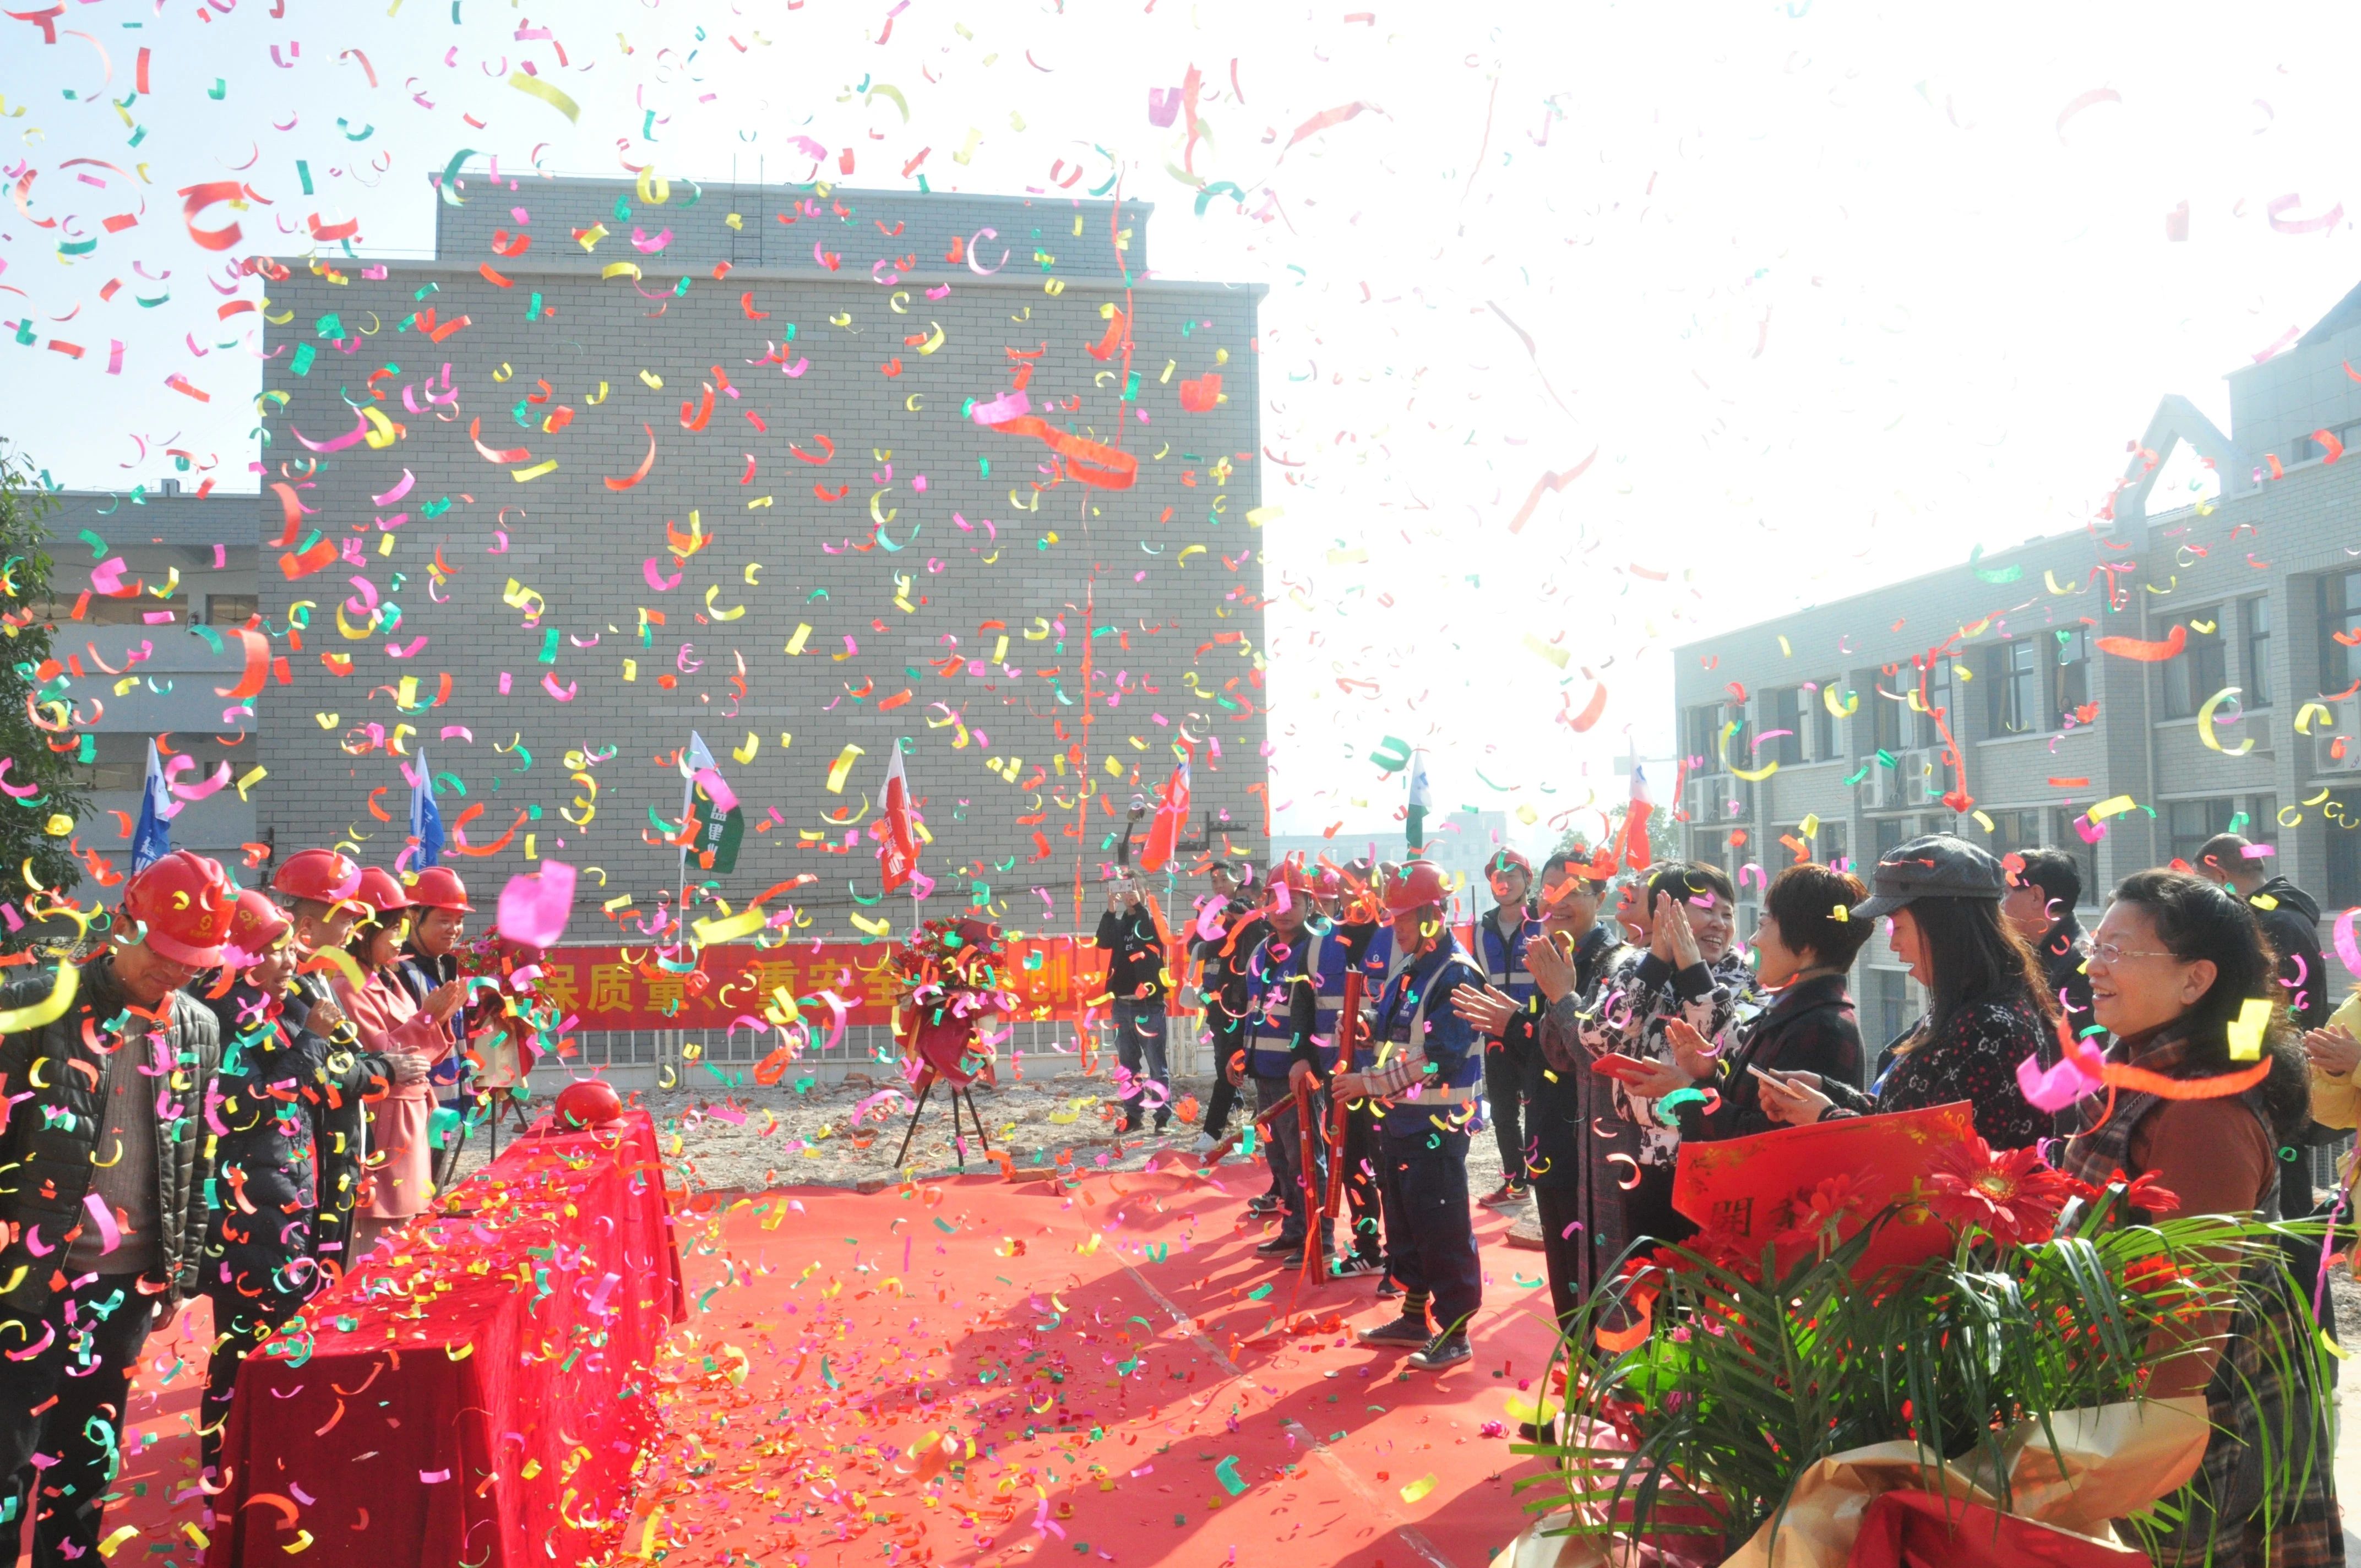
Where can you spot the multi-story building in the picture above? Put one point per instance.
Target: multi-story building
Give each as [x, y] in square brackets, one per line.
[1980, 699]
[145, 586]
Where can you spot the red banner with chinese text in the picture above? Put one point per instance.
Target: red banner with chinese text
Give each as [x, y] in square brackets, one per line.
[623, 988]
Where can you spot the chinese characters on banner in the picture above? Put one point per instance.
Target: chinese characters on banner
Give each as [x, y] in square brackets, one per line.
[618, 988]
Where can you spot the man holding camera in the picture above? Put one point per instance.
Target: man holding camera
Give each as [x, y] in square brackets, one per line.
[1137, 984]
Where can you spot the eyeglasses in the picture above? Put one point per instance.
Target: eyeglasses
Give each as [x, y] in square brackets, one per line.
[2108, 953]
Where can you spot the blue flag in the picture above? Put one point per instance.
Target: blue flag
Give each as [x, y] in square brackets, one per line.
[151, 840]
[425, 818]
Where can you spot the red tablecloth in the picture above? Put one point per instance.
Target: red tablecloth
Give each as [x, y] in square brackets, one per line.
[482, 1397]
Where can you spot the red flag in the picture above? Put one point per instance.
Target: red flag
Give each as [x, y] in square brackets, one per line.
[1172, 816]
[897, 846]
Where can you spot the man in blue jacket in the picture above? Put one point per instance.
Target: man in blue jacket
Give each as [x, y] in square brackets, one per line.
[1425, 1063]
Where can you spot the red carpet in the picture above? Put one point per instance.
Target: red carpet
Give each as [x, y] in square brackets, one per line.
[1130, 1386]
[1129, 1398]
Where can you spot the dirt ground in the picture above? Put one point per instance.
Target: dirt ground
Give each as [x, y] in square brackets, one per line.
[847, 1134]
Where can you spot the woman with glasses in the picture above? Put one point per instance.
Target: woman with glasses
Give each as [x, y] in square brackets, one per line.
[1987, 1004]
[2178, 969]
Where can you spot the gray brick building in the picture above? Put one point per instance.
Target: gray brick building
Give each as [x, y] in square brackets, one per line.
[826, 551]
[2257, 568]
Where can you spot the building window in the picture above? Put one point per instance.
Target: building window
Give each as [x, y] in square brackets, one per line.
[1708, 847]
[2013, 670]
[1938, 699]
[1889, 832]
[2344, 867]
[2255, 672]
[1703, 740]
[2063, 835]
[2015, 832]
[1785, 707]
[2069, 682]
[1832, 845]
[2201, 669]
[230, 610]
[2340, 616]
[1890, 714]
[2191, 822]
[1824, 723]
[1889, 994]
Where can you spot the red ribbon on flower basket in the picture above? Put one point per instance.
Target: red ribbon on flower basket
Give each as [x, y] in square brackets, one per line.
[948, 981]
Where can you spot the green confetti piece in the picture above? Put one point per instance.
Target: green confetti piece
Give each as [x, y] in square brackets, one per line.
[828, 1374]
[1226, 1472]
[945, 1226]
[1259, 1292]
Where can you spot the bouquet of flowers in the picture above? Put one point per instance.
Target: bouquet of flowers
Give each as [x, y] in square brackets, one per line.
[1763, 1384]
[947, 978]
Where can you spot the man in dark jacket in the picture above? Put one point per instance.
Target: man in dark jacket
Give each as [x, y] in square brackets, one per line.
[1136, 986]
[2290, 917]
[2040, 900]
[1238, 928]
[273, 1109]
[104, 1162]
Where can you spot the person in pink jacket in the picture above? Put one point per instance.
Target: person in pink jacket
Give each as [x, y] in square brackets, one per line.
[411, 1038]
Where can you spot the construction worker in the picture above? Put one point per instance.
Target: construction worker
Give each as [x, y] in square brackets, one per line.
[319, 889]
[270, 1110]
[1280, 1054]
[438, 924]
[1500, 940]
[1236, 929]
[1358, 940]
[103, 1165]
[1428, 1060]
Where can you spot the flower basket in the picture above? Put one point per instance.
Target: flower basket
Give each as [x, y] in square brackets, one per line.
[1976, 1329]
[948, 981]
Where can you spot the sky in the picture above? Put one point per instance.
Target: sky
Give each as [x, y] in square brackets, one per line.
[1592, 329]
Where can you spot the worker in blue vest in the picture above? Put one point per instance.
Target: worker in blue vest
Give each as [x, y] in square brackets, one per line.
[1508, 1068]
[1428, 1062]
[1280, 1052]
[1359, 940]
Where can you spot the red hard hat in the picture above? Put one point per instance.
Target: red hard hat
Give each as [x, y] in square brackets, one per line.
[323, 876]
[1292, 874]
[184, 902]
[1328, 883]
[439, 887]
[1503, 859]
[1416, 886]
[256, 924]
[587, 1103]
[380, 890]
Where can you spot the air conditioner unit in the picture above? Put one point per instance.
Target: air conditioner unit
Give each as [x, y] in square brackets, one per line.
[1886, 786]
[1921, 777]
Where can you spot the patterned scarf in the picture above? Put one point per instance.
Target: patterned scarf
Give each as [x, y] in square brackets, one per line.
[2096, 1155]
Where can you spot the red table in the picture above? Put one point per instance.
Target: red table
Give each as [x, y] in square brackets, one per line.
[482, 1397]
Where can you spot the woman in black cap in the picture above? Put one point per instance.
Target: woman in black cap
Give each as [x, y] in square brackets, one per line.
[1987, 1006]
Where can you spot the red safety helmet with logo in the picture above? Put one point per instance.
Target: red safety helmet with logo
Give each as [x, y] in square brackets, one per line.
[1292, 874]
[324, 876]
[183, 902]
[381, 890]
[1328, 882]
[256, 924]
[439, 887]
[1416, 886]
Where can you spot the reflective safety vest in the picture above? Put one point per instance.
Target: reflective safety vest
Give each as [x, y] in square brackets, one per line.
[1275, 971]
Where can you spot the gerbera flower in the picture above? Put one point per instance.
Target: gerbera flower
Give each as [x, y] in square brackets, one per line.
[1818, 1217]
[2012, 1196]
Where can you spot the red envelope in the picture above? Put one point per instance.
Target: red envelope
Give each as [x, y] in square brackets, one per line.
[1751, 1188]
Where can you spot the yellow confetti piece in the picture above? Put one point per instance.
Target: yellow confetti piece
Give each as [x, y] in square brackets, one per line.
[255, 775]
[625, 269]
[523, 476]
[839, 770]
[462, 1354]
[2247, 1030]
[533, 86]
[199, 1538]
[2205, 726]
[1558, 656]
[1810, 824]
[1419, 1489]
[302, 1542]
[742, 925]
[113, 1543]
[2113, 805]
[51, 1008]
[875, 927]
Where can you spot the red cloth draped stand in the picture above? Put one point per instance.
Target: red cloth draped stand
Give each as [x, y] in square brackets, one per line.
[487, 1394]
